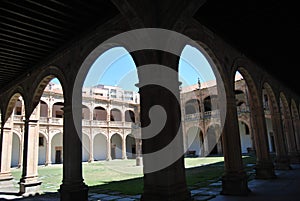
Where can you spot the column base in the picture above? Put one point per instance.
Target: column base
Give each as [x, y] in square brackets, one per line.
[6, 182]
[139, 161]
[159, 193]
[282, 163]
[29, 186]
[294, 158]
[73, 192]
[265, 170]
[235, 184]
[48, 163]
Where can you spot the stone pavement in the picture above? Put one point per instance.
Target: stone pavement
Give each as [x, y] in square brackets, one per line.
[284, 188]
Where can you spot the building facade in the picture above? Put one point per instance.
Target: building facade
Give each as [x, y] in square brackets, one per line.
[108, 114]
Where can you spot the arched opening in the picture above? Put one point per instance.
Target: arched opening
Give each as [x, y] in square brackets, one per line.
[288, 129]
[85, 147]
[85, 112]
[192, 106]
[99, 114]
[42, 143]
[18, 108]
[199, 94]
[242, 96]
[44, 111]
[207, 104]
[100, 147]
[116, 146]
[57, 148]
[130, 147]
[57, 110]
[213, 140]
[267, 101]
[194, 140]
[115, 115]
[129, 116]
[246, 142]
[16, 147]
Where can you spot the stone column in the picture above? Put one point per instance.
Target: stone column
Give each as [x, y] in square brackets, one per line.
[29, 183]
[282, 161]
[21, 151]
[124, 155]
[163, 153]
[91, 150]
[48, 152]
[296, 123]
[138, 148]
[5, 158]
[291, 141]
[235, 179]
[108, 151]
[264, 165]
[73, 186]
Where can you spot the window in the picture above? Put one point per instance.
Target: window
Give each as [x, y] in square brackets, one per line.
[41, 141]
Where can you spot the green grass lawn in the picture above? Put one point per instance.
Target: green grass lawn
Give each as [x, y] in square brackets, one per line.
[123, 176]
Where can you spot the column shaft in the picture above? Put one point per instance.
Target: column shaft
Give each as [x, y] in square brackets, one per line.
[5, 159]
[235, 179]
[29, 183]
[73, 187]
[264, 165]
[282, 161]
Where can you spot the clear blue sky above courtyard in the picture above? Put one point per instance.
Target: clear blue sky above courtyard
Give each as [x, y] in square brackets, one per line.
[116, 67]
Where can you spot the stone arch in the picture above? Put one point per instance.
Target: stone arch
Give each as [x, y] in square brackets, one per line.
[194, 141]
[85, 112]
[42, 80]
[44, 107]
[277, 140]
[85, 147]
[245, 135]
[285, 106]
[57, 110]
[100, 147]
[288, 128]
[192, 106]
[129, 116]
[99, 114]
[12, 103]
[116, 146]
[130, 146]
[42, 143]
[16, 149]
[296, 123]
[57, 148]
[115, 115]
[294, 110]
[212, 138]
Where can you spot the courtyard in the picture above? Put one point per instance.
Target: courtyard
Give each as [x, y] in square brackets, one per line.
[119, 178]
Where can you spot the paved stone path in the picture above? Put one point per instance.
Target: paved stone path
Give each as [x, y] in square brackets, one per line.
[199, 194]
[285, 187]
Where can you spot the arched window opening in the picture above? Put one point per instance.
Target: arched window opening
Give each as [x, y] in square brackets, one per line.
[129, 116]
[18, 107]
[57, 110]
[192, 106]
[115, 115]
[99, 114]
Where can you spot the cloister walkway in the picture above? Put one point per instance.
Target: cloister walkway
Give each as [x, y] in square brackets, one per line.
[284, 188]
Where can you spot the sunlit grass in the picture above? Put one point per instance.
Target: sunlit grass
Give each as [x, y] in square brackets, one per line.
[125, 177]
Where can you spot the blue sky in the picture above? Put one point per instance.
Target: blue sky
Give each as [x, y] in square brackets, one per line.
[115, 67]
